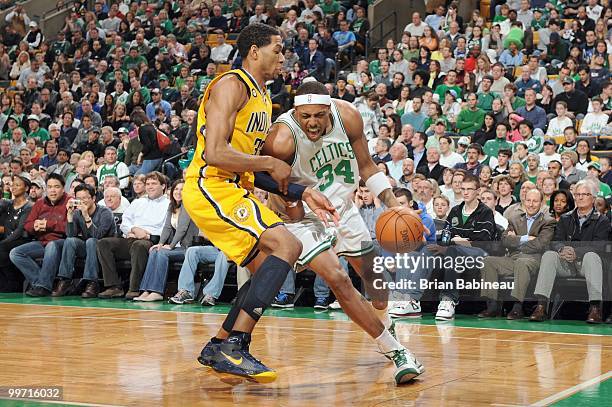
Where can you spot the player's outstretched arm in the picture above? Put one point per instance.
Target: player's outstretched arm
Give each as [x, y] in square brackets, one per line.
[368, 171]
[227, 97]
[280, 144]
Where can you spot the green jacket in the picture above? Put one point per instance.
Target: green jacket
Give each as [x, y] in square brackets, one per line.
[485, 101]
[492, 147]
[469, 121]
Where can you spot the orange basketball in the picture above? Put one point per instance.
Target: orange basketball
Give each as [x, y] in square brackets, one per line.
[399, 230]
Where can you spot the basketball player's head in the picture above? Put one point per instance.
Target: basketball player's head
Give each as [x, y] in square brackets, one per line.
[261, 48]
[314, 119]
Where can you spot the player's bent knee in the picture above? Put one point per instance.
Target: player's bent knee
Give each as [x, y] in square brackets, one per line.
[282, 243]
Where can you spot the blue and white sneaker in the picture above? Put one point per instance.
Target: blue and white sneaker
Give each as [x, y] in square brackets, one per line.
[321, 304]
[283, 300]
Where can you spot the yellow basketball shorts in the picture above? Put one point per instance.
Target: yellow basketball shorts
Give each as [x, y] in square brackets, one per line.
[230, 216]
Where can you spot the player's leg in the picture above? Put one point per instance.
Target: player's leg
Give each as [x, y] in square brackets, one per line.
[364, 267]
[327, 266]
[283, 250]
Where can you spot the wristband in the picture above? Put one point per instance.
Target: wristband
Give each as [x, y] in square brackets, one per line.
[377, 183]
[264, 181]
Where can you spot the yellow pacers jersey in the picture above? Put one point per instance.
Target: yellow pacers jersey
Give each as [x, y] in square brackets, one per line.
[250, 130]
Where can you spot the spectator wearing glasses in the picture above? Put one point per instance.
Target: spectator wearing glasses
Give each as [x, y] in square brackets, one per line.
[470, 223]
[87, 223]
[579, 236]
[527, 235]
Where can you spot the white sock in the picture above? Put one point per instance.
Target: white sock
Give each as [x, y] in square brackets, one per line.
[387, 343]
[384, 317]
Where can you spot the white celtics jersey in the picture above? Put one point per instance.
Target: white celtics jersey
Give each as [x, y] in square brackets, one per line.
[328, 164]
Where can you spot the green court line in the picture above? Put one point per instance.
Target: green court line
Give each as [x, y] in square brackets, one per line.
[36, 403]
[599, 394]
[466, 321]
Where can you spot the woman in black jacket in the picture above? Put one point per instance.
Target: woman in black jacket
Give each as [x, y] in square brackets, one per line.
[487, 132]
[13, 214]
[151, 156]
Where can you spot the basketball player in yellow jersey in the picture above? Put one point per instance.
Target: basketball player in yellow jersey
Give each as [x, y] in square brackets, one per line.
[233, 121]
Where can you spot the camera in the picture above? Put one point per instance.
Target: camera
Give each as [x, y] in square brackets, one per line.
[75, 203]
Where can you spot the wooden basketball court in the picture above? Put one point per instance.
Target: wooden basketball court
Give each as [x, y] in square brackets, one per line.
[119, 354]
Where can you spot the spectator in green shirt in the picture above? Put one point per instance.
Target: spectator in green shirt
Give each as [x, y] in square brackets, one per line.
[36, 131]
[330, 7]
[511, 101]
[134, 59]
[492, 147]
[485, 96]
[471, 118]
[449, 83]
[374, 67]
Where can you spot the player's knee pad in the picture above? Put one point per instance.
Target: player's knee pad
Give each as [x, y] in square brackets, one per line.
[267, 281]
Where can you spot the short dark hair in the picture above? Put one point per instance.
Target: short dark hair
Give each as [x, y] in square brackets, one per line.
[96, 183]
[85, 187]
[475, 146]
[257, 34]
[505, 151]
[402, 192]
[312, 87]
[469, 177]
[56, 177]
[161, 178]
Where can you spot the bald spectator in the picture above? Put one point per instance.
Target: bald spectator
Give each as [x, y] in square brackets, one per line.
[185, 101]
[416, 27]
[114, 201]
[398, 154]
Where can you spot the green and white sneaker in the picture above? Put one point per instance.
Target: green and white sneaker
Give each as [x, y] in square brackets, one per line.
[392, 330]
[407, 367]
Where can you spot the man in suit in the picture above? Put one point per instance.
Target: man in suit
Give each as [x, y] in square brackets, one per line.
[526, 237]
[579, 240]
[314, 61]
[432, 168]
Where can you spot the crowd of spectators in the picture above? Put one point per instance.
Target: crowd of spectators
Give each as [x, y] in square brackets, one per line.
[510, 103]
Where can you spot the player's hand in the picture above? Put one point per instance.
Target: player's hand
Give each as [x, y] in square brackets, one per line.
[321, 206]
[280, 173]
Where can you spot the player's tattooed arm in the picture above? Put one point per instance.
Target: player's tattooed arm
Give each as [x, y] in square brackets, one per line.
[354, 128]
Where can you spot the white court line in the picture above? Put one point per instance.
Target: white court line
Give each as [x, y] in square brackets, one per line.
[345, 331]
[301, 319]
[63, 403]
[570, 391]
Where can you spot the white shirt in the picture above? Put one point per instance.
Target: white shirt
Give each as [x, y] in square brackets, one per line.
[500, 220]
[546, 159]
[221, 53]
[594, 13]
[451, 160]
[122, 207]
[415, 30]
[594, 123]
[145, 213]
[557, 125]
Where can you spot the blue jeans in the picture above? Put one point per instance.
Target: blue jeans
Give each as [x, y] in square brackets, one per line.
[422, 271]
[75, 247]
[321, 289]
[149, 166]
[23, 258]
[203, 254]
[156, 272]
[450, 274]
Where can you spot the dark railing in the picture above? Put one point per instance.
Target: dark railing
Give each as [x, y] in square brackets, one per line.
[377, 35]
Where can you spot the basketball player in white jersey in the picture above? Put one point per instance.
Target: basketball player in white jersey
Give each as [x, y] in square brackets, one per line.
[323, 141]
